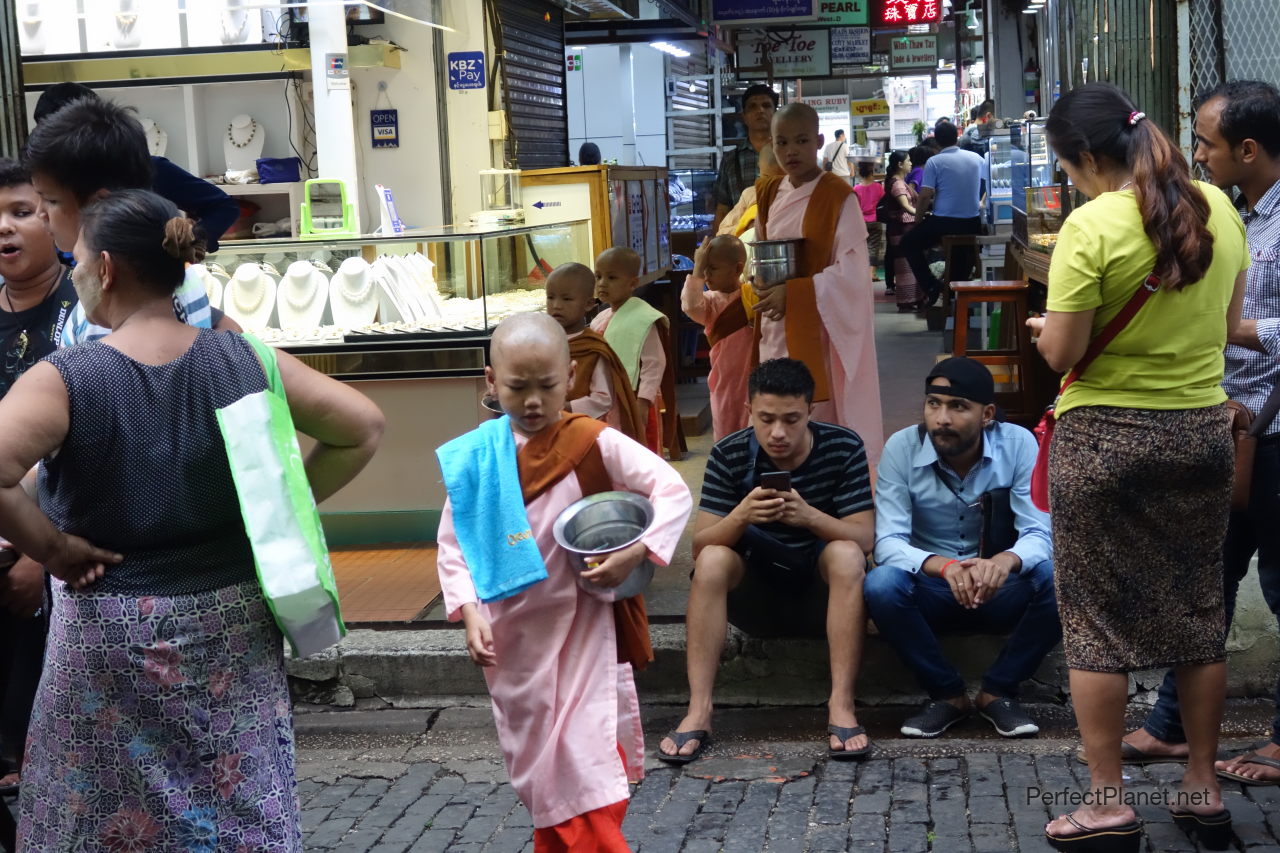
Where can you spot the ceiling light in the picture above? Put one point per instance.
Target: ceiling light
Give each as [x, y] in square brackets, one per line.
[667, 47]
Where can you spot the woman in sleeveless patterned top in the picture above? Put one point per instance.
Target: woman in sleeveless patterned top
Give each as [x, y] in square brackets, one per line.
[163, 720]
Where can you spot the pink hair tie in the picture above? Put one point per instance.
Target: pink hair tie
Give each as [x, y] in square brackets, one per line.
[1135, 117]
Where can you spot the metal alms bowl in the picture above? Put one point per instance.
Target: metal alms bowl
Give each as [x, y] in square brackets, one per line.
[605, 522]
[775, 261]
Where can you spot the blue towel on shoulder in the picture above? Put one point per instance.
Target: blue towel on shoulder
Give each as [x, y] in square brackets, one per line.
[489, 517]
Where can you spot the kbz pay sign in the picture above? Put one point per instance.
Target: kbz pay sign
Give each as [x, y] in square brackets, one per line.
[466, 69]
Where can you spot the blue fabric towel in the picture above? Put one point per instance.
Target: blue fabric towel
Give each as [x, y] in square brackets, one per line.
[489, 517]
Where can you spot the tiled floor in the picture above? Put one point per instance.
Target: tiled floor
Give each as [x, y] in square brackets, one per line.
[385, 583]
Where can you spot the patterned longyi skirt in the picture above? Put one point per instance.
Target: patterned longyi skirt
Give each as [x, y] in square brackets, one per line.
[1140, 500]
[161, 724]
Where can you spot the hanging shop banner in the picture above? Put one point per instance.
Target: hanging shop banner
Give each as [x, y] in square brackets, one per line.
[850, 45]
[744, 11]
[385, 126]
[914, 52]
[873, 107]
[900, 13]
[793, 53]
[843, 13]
[833, 108]
[466, 69]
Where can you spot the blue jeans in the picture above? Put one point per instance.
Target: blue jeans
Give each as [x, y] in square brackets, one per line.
[1252, 531]
[910, 609]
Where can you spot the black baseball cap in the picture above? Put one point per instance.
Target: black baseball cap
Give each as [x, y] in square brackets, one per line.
[969, 379]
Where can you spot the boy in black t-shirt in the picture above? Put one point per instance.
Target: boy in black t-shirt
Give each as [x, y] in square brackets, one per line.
[761, 545]
[36, 298]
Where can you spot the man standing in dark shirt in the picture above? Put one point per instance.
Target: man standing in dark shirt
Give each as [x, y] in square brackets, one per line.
[35, 300]
[210, 207]
[740, 167]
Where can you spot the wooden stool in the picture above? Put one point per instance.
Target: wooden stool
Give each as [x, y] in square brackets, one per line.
[1007, 347]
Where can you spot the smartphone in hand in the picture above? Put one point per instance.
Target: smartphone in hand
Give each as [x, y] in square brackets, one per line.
[779, 481]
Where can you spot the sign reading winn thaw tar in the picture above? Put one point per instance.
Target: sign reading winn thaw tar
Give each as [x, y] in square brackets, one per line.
[793, 53]
[914, 52]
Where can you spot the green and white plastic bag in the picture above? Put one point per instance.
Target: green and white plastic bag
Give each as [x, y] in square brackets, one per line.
[280, 515]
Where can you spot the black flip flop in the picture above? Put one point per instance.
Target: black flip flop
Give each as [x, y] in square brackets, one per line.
[703, 738]
[844, 733]
[1126, 838]
[1212, 831]
[1253, 758]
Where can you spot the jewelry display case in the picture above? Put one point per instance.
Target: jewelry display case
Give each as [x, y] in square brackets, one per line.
[420, 285]
[1041, 195]
[1000, 157]
[406, 319]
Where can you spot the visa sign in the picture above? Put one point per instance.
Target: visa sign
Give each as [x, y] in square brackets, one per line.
[466, 69]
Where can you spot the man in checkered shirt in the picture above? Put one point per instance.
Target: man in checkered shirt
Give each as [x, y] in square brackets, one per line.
[1238, 146]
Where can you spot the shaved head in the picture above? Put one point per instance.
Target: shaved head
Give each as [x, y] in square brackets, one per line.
[528, 336]
[768, 162]
[620, 258]
[728, 248]
[795, 113]
[579, 277]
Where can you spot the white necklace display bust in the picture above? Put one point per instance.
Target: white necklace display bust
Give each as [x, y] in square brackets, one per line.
[31, 36]
[242, 143]
[235, 23]
[127, 32]
[157, 138]
[250, 297]
[301, 296]
[352, 299]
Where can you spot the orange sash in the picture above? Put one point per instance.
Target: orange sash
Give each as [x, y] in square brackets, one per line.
[802, 321]
[570, 445]
[587, 349]
[730, 320]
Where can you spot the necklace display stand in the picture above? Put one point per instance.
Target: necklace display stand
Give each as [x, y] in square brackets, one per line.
[127, 34]
[352, 300]
[301, 296]
[235, 23]
[32, 39]
[212, 286]
[242, 143]
[250, 297]
[157, 138]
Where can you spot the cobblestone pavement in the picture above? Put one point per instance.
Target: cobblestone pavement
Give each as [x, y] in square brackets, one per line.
[444, 790]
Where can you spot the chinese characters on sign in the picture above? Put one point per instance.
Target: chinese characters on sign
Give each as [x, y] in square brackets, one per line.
[899, 13]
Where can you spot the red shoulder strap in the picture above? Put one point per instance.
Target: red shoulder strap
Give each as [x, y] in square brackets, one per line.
[1115, 327]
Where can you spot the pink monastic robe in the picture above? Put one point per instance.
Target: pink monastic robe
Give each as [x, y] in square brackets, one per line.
[846, 305]
[561, 701]
[730, 358]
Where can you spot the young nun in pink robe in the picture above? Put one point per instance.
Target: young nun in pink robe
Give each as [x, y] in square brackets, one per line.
[566, 710]
[843, 291]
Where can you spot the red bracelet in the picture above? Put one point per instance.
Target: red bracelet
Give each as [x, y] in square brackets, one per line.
[946, 566]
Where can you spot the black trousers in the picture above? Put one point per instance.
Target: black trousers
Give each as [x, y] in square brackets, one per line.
[22, 644]
[928, 234]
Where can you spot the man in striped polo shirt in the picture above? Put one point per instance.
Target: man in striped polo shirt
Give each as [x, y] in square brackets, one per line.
[779, 546]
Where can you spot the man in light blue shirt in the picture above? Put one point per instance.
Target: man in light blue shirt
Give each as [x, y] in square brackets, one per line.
[950, 203]
[961, 548]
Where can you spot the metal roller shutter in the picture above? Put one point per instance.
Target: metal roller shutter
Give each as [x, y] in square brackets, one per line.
[533, 81]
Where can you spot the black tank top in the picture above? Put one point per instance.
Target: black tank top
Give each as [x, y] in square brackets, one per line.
[143, 470]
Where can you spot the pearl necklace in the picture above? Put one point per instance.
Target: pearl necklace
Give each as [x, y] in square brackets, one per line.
[353, 297]
[288, 288]
[252, 133]
[239, 286]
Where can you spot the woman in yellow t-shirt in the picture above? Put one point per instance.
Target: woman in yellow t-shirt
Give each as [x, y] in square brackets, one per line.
[1141, 466]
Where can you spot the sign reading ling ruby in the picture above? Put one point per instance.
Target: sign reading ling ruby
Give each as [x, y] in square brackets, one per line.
[900, 13]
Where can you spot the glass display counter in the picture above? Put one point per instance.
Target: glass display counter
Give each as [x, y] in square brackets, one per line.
[1040, 194]
[406, 320]
[1000, 157]
[422, 284]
